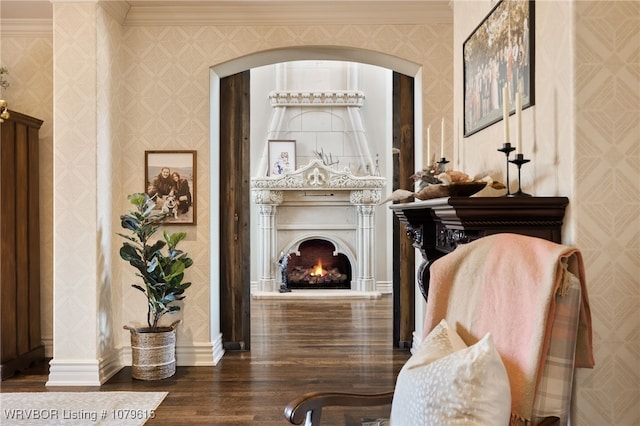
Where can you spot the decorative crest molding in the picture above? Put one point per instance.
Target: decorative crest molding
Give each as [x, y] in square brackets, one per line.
[330, 98]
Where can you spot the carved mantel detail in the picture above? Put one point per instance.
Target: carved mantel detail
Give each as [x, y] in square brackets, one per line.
[316, 175]
[438, 226]
[353, 98]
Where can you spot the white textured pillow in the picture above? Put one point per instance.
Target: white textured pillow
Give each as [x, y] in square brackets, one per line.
[444, 384]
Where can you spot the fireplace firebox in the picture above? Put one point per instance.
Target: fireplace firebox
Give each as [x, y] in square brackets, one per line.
[318, 266]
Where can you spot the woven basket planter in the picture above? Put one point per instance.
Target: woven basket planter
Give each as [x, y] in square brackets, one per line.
[153, 354]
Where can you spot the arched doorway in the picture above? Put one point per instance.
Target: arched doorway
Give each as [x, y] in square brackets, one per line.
[229, 229]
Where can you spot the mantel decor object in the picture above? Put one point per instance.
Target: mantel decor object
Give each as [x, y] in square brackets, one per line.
[442, 165]
[507, 149]
[4, 105]
[4, 110]
[519, 161]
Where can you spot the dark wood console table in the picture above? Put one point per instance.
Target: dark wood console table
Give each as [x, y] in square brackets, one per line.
[437, 226]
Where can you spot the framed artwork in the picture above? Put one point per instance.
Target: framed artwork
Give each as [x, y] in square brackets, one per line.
[282, 156]
[498, 54]
[170, 178]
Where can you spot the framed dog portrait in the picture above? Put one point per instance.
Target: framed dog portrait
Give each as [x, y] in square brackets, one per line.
[498, 60]
[282, 156]
[170, 179]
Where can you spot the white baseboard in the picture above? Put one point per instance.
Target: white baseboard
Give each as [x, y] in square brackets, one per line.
[218, 349]
[199, 354]
[96, 372]
[195, 355]
[74, 372]
[84, 373]
[384, 287]
[110, 365]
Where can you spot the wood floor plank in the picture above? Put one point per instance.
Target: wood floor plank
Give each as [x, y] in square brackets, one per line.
[298, 346]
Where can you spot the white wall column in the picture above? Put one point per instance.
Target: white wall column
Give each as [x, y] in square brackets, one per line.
[267, 214]
[365, 243]
[267, 204]
[75, 182]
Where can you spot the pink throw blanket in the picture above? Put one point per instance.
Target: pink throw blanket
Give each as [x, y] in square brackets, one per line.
[506, 284]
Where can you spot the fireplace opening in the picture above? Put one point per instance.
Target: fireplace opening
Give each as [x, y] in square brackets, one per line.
[318, 267]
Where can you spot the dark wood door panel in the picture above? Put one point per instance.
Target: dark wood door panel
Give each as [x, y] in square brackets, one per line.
[234, 212]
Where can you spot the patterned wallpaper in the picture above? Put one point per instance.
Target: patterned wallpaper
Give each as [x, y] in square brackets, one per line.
[109, 148]
[584, 141]
[75, 183]
[152, 92]
[29, 59]
[607, 203]
[600, 169]
[172, 63]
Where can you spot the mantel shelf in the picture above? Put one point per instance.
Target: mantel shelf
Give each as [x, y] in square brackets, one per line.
[438, 226]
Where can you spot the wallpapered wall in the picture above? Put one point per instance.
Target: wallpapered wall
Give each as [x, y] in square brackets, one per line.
[586, 146]
[172, 63]
[29, 59]
[607, 203]
[152, 92]
[583, 137]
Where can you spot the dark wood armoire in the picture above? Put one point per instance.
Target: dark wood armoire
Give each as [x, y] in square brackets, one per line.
[20, 249]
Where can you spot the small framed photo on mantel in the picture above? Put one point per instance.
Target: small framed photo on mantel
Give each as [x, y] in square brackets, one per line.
[282, 156]
[170, 179]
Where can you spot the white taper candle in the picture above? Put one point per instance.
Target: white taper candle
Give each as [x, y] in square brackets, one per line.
[442, 138]
[519, 122]
[429, 146]
[505, 112]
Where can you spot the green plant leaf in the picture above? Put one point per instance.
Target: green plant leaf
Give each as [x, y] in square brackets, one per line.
[160, 264]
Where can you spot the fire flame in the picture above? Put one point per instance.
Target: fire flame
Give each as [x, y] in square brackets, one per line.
[317, 270]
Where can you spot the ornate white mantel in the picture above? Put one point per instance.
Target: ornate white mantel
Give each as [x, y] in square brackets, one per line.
[319, 201]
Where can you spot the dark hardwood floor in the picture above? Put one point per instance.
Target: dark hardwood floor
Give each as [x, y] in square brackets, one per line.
[298, 346]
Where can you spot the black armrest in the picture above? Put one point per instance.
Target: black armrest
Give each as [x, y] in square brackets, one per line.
[309, 406]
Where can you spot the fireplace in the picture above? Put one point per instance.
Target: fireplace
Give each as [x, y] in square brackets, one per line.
[317, 265]
[331, 211]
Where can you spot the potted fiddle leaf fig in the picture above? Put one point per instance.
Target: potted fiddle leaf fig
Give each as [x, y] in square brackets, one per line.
[160, 265]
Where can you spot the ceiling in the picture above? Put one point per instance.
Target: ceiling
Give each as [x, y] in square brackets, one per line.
[219, 12]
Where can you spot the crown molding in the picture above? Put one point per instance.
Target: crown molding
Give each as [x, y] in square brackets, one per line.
[289, 12]
[26, 27]
[117, 9]
[240, 12]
